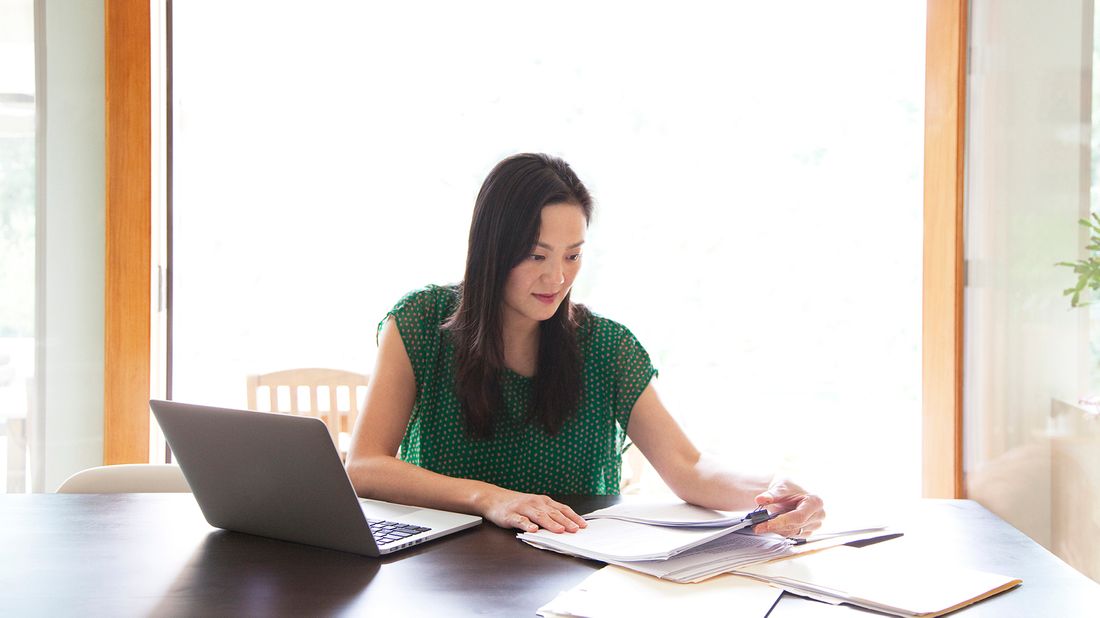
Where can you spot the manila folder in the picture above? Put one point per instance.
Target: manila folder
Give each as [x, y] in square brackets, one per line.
[879, 578]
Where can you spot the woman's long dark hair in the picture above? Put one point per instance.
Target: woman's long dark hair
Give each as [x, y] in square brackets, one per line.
[504, 229]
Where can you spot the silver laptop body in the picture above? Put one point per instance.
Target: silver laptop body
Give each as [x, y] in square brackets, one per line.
[279, 476]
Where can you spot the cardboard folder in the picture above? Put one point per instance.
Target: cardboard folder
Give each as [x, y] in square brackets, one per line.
[881, 579]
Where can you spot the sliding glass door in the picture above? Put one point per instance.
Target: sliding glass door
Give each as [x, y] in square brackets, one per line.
[1032, 374]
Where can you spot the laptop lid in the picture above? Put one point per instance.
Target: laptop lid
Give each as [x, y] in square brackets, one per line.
[278, 476]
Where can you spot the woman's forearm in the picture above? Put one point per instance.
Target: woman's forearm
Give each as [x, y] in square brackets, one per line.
[707, 483]
[387, 478]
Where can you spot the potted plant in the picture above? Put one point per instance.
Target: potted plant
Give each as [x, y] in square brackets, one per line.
[1088, 276]
[1088, 269]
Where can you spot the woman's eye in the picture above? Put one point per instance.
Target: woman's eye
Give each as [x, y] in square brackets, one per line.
[575, 257]
[536, 257]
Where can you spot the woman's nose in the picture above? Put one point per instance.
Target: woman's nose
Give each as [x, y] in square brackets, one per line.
[554, 272]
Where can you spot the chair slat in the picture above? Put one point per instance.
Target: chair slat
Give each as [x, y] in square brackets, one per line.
[333, 419]
[338, 418]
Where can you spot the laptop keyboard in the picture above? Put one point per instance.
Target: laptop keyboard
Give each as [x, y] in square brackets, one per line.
[386, 532]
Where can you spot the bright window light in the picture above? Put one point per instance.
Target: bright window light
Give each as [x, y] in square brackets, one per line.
[757, 170]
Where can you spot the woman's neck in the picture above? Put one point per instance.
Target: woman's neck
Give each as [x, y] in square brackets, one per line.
[521, 345]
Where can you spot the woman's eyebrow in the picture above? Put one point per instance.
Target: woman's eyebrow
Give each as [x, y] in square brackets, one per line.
[550, 248]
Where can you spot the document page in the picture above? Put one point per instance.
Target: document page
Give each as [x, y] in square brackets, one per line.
[614, 540]
[718, 556]
[669, 514]
[613, 592]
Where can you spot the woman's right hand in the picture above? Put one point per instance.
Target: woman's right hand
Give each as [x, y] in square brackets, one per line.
[529, 512]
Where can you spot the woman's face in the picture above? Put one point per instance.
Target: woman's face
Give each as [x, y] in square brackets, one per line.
[540, 282]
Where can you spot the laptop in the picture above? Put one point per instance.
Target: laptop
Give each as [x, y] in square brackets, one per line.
[279, 476]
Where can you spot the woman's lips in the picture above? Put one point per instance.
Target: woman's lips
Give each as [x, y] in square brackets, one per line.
[546, 299]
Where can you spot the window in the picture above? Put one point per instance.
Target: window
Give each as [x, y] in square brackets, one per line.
[17, 238]
[757, 172]
[1031, 446]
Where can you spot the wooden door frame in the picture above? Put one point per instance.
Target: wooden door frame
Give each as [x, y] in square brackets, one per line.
[127, 300]
[942, 322]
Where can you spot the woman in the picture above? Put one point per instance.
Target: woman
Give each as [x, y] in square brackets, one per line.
[500, 390]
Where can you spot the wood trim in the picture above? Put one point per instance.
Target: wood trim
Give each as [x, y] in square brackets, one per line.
[942, 338]
[127, 321]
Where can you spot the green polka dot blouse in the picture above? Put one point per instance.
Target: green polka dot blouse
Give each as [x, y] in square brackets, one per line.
[583, 458]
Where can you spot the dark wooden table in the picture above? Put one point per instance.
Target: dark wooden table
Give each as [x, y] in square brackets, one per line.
[153, 554]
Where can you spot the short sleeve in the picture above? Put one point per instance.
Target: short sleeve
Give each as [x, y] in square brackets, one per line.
[633, 372]
[419, 316]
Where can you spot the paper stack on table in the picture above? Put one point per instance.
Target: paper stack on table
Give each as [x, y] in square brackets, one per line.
[721, 555]
[617, 535]
[686, 544]
[679, 542]
[672, 514]
[612, 540]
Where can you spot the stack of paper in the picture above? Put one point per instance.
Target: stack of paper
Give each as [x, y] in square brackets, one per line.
[682, 543]
[728, 553]
[679, 542]
[614, 540]
[719, 556]
[674, 514]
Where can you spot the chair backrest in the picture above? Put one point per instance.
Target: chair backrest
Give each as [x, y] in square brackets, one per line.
[634, 465]
[126, 478]
[332, 395]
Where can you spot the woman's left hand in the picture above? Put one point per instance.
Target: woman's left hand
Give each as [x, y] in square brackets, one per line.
[801, 512]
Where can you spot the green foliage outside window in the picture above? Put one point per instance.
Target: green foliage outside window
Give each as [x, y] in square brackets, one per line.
[17, 236]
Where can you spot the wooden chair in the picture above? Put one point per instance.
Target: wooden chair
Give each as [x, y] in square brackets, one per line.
[634, 465]
[332, 395]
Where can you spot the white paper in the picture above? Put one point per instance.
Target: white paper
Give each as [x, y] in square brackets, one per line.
[614, 540]
[614, 592]
[669, 514]
[718, 556]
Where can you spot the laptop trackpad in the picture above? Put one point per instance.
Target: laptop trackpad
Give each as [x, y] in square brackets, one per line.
[384, 510]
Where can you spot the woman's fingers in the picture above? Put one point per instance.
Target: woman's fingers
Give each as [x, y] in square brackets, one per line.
[521, 522]
[807, 516]
[571, 515]
[529, 512]
[551, 520]
[555, 517]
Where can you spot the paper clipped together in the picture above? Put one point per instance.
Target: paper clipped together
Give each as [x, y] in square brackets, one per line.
[678, 542]
[614, 540]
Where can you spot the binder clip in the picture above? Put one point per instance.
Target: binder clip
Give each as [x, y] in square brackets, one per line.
[759, 516]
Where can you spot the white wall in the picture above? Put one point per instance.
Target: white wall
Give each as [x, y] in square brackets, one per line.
[67, 433]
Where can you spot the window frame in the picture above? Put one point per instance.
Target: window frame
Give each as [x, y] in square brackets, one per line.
[129, 267]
